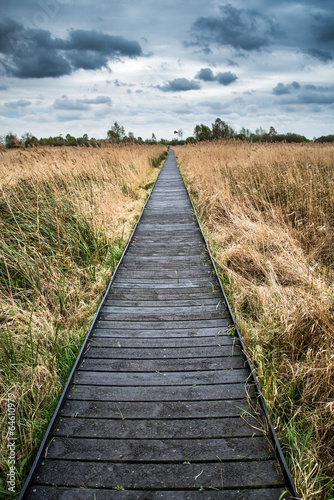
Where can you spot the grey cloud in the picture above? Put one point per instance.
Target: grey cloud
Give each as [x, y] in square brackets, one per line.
[295, 93]
[282, 89]
[87, 60]
[226, 78]
[245, 29]
[70, 104]
[322, 55]
[79, 104]
[101, 43]
[17, 104]
[67, 117]
[33, 53]
[324, 28]
[207, 75]
[179, 85]
[98, 100]
[119, 84]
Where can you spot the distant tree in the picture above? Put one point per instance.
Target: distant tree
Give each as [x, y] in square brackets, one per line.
[244, 134]
[154, 139]
[11, 141]
[221, 130]
[70, 140]
[190, 140]
[291, 137]
[202, 133]
[29, 140]
[58, 140]
[325, 138]
[272, 131]
[116, 133]
[260, 131]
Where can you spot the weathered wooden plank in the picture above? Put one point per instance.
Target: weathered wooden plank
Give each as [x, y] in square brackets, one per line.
[166, 265]
[166, 334]
[161, 410]
[172, 273]
[163, 365]
[188, 310]
[159, 429]
[160, 352]
[161, 393]
[192, 281]
[163, 294]
[63, 493]
[254, 474]
[160, 450]
[213, 341]
[162, 314]
[165, 325]
[98, 378]
[115, 301]
[199, 259]
[171, 285]
[161, 240]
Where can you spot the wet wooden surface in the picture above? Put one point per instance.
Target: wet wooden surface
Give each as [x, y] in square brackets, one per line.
[162, 406]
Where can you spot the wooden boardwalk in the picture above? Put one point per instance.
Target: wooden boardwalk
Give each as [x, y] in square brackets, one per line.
[163, 403]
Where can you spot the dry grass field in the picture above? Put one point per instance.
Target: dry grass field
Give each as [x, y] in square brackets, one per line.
[65, 217]
[268, 213]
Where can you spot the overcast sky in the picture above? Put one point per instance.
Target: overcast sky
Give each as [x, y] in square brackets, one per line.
[76, 66]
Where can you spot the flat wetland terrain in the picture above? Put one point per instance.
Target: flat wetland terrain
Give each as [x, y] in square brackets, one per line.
[65, 217]
[267, 211]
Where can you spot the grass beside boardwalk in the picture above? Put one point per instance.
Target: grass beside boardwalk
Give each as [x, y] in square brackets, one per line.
[65, 217]
[268, 213]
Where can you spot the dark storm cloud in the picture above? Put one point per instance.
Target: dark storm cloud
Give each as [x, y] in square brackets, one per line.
[88, 60]
[245, 29]
[322, 55]
[282, 89]
[294, 93]
[323, 28]
[33, 53]
[179, 85]
[100, 43]
[226, 78]
[17, 104]
[207, 75]
[79, 104]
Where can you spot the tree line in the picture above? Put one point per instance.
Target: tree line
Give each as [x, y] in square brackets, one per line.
[219, 130]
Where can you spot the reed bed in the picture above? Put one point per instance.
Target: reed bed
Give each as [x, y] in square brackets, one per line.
[65, 217]
[268, 213]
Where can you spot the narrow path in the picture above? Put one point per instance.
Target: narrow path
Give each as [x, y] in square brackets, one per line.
[162, 404]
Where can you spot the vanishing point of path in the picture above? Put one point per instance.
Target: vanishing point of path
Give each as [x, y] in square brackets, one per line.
[162, 405]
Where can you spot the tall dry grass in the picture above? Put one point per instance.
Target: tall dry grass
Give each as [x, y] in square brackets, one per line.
[268, 212]
[65, 217]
